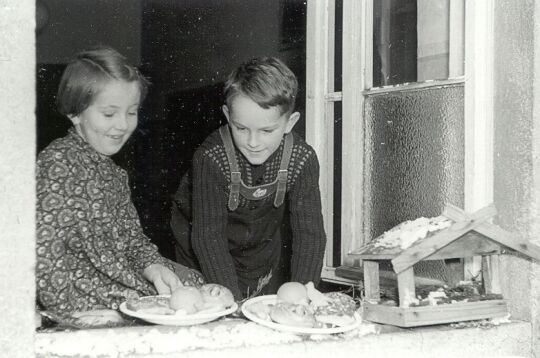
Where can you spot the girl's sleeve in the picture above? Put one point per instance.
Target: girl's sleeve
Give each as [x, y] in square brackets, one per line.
[308, 236]
[50, 244]
[72, 236]
[76, 232]
[210, 223]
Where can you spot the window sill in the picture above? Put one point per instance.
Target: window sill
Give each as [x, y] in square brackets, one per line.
[243, 338]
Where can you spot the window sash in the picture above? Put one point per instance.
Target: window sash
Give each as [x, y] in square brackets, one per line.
[357, 69]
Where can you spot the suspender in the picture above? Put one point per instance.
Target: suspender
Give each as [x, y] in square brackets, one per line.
[282, 173]
[255, 193]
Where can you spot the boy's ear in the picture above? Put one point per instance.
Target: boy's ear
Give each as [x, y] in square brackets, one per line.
[225, 110]
[293, 118]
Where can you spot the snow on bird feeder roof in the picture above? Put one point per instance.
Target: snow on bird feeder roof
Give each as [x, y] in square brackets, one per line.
[454, 234]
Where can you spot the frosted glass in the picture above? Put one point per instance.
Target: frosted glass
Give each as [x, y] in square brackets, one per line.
[414, 155]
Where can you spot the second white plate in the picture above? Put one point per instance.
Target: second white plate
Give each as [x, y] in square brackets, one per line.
[271, 299]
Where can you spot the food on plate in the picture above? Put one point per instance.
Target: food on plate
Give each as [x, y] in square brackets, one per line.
[186, 298]
[304, 306]
[338, 312]
[316, 297]
[215, 295]
[291, 314]
[150, 304]
[292, 292]
[340, 303]
[261, 310]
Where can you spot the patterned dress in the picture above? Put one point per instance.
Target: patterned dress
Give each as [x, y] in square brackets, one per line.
[91, 250]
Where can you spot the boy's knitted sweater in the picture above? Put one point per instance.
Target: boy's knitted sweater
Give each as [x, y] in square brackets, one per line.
[211, 179]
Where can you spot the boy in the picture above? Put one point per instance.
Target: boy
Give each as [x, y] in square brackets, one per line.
[249, 212]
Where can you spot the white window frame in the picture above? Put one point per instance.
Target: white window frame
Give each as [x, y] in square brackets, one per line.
[357, 80]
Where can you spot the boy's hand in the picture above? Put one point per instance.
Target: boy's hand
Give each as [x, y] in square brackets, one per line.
[163, 279]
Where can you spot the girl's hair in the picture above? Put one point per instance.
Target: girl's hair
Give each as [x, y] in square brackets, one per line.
[265, 80]
[88, 73]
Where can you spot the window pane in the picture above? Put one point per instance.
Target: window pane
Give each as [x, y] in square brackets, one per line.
[338, 46]
[417, 40]
[414, 155]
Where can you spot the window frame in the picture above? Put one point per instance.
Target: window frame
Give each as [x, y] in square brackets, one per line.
[357, 69]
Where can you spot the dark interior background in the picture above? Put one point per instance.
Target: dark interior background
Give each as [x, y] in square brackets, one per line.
[186, 48]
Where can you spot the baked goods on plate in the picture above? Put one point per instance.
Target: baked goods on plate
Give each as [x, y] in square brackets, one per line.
[303, 309]
[185, 306]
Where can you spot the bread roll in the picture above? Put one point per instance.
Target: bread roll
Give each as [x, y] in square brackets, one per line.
[291, 314]
[216, 295]
[186, 298]
[292, 292]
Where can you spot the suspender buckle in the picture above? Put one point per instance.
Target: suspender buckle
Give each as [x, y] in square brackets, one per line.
[281, 187]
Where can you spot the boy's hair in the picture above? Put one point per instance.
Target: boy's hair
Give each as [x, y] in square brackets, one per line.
[265, 80]
[88, 73]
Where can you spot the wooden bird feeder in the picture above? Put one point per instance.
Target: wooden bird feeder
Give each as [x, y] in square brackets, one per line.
[464, 235]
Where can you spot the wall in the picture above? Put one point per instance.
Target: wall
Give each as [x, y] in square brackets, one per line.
[198, 42]
[72, 26]
[517, 148]
[17, 227]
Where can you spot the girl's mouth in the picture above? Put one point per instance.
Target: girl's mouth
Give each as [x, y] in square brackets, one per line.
[116, 137]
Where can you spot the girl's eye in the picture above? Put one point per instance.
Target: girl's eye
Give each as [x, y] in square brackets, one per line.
[108, 115]
[132, 113]
[240, 129]
[268, 130]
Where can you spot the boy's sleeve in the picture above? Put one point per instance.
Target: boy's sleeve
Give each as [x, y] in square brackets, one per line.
[308, 236]
[210, 223]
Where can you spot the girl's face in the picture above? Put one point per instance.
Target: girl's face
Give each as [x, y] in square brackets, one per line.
[257, 132]
[111, 119]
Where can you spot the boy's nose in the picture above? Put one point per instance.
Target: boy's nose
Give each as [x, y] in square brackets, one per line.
[253, 140]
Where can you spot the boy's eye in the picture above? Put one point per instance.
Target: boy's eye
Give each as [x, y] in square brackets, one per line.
[268, 130]
[108, 114]
[132, 113]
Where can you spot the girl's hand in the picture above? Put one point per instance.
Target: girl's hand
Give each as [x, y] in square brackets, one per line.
[163, 279]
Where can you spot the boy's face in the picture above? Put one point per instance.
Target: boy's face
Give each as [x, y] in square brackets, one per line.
[257, 132]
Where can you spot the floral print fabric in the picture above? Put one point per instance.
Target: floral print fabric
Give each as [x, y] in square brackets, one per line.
[91, 249]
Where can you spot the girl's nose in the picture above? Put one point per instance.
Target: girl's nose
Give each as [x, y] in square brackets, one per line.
[122, 122]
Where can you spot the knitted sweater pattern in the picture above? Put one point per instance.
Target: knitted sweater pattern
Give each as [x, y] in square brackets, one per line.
[211, 179]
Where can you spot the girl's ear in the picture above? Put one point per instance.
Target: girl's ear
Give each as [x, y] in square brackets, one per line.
[293, 118]
[225, 110]
[74, 119]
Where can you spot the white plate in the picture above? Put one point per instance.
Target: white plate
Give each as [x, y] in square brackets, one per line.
[271, 299]
[178, 320]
